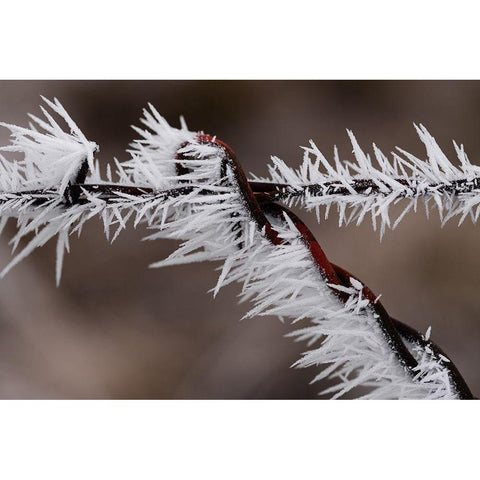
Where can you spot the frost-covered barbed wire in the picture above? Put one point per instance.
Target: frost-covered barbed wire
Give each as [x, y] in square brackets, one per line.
[369, 186]
[189, 186]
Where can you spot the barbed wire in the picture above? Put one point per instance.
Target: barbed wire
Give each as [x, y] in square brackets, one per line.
[260, 199]
[190, 186]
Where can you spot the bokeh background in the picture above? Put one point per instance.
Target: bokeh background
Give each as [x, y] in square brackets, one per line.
[115, 329]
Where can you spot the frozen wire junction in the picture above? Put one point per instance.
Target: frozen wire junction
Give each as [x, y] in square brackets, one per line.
[189, 186]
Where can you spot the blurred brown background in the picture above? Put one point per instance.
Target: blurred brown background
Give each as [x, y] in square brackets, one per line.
[115, 329]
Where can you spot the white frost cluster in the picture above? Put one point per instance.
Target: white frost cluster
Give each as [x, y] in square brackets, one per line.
[50, 159]
[51, 156]
[152, 163]
[283, 280]
[454, 190]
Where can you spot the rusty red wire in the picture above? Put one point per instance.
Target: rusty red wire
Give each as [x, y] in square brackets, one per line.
[260, 204]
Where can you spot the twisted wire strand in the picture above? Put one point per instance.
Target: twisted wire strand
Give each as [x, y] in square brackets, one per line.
[259, 204]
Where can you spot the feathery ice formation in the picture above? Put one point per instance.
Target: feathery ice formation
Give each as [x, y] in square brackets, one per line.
[363, 189]
[188, 191]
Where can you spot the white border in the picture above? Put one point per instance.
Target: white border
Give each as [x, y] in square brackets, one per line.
[249, 39]
[238, 439]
